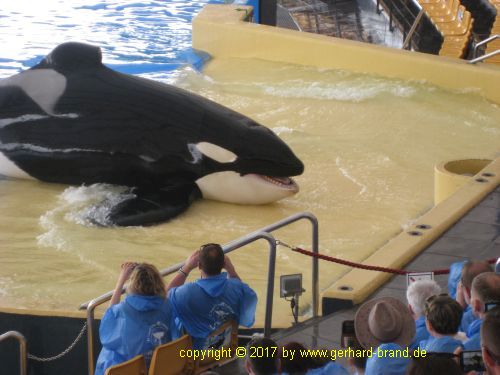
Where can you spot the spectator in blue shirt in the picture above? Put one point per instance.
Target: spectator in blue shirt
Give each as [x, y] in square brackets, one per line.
[202, 306]
[442, 318]
[385, 326]
[490, 341]
[416, 294]
[138, 324]
[485, 289]
[470, 270]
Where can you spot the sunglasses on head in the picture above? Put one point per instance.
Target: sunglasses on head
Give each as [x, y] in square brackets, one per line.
[208, 245]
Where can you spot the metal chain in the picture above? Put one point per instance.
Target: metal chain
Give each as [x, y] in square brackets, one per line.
[82, 331]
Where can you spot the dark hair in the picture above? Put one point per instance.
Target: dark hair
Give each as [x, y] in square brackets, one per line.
[266, 364]
[211, 259]
[473, 268]
[358, 361]
[443, 313]
[434, 364]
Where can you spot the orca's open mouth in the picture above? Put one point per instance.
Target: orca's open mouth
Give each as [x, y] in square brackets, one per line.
[282, 182]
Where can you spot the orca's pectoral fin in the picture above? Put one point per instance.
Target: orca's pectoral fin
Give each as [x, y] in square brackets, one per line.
[150, 207]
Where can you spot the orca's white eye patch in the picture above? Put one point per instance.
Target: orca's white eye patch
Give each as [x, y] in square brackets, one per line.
[43, 86]
[216, 153]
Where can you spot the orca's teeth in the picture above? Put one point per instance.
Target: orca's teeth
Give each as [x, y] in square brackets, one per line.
[279, 181]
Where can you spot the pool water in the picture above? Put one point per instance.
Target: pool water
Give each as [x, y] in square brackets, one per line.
[368, 144]
[150, 38]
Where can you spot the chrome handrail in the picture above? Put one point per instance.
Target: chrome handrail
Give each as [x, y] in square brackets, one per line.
[263, 233]
[486, 41]
[484, 57]
[22, 349]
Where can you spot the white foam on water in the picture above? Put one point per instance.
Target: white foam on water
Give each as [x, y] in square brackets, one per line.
[83, 205]
[282, 130]
[346, 174]
[356, 90]
[90, 205]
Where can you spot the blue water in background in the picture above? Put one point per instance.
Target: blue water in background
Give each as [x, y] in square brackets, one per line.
[149, 38]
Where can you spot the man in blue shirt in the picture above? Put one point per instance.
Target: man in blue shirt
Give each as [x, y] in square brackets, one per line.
[385, 326]
[416, 294]
[490, 341]
[485, 289]
[470, 270]
[202, 306]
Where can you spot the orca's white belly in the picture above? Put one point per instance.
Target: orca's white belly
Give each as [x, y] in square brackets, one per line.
[10, 169]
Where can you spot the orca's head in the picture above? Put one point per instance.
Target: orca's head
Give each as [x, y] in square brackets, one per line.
[252, 164]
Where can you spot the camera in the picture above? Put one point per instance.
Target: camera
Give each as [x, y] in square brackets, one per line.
[347, 331]
[472, 361]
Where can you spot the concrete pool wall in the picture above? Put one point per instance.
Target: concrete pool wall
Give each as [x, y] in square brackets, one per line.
[221, 31]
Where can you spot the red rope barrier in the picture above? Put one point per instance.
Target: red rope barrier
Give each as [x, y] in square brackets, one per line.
[441, 271]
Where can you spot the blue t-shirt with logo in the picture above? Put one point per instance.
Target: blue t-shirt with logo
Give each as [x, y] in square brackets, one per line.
[133, 327]
[204, 305]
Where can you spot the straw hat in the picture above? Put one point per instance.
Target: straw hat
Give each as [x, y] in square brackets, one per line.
[384, 320]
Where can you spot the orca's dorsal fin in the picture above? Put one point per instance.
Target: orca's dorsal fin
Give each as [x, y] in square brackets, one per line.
[72, 56]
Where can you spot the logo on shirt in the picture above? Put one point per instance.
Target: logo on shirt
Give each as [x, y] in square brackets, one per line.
[158, 334]
[220, 314]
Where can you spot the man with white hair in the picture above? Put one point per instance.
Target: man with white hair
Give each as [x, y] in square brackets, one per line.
[416, 294]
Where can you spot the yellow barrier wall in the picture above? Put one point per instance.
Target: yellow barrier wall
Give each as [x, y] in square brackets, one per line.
[221, 31]
[404, 247]
[449, 176]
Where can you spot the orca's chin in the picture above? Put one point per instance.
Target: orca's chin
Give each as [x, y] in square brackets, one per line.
[286, 183]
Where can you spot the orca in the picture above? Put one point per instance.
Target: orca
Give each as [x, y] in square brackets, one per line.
[72, 120]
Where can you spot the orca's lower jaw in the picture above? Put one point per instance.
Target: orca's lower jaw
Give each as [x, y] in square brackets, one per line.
[250, 188]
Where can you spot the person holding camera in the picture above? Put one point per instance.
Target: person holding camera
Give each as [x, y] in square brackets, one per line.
[140, 323]
[204, 305]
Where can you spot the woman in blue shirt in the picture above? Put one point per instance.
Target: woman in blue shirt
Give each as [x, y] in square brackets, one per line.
[139, 323]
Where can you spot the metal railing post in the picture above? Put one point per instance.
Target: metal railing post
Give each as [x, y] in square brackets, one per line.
[268, 320]
[315, 265]
[23, 358]
[391, 8]
[483, 42]
[413, 28]
[90, 335]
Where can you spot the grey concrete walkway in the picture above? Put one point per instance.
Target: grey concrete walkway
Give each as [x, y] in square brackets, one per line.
[475, 236]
